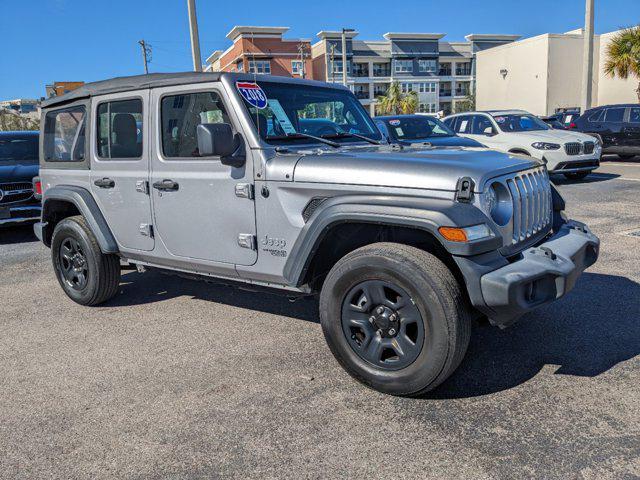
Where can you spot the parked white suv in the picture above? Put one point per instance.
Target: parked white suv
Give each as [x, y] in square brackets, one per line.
[571, 153]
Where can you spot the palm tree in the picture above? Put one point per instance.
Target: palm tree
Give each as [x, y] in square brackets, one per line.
[623, 55]
[395, 102]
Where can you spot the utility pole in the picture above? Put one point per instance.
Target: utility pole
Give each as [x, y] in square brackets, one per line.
[195, 39]
[302, 57]
[146, 54]
[587, 61]
[344, 57]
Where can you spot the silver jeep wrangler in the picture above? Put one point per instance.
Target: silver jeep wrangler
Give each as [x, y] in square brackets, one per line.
[287, 183]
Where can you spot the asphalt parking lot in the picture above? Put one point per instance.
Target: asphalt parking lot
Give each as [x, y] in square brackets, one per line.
[181, 379]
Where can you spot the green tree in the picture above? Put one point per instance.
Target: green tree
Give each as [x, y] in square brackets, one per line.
[623, 55]
[396, 102]
[466, 105]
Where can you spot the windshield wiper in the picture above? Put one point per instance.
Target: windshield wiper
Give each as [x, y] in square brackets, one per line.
[293, 136]
[354, 135]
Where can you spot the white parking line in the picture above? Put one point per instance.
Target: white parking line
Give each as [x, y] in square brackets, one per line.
[602, 164]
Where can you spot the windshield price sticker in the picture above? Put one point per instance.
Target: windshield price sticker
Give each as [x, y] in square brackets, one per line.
[281, 116]
[253, 94]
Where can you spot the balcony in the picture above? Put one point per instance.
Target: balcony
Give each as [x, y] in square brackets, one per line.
[362, 94]
[463, 69]
[462, 92]
[360, 70]
[381, 69]
[445, 70]
[445, 93]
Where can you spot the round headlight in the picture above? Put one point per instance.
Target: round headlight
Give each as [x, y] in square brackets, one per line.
[498, 204]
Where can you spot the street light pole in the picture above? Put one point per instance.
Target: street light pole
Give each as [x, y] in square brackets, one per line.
[195, 39]
[587, 61]
[344, 57]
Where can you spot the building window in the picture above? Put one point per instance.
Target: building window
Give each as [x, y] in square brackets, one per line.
[381, 69]
[406, 87]
[462, 88]
[427, 107]
[297, 67]
[360, 69]
[380, 89]
[429, 87]
[463, 68]
[427, 66]
[403, 66]
[337, 67]
[445, 69]
[260, 66]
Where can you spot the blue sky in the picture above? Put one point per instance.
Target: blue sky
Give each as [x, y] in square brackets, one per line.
[95, 39]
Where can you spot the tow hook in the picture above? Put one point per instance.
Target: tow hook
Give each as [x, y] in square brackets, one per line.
[548, 253]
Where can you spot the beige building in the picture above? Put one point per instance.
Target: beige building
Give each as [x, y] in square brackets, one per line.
[543, 75]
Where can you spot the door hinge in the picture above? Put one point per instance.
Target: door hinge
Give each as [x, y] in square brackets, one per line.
[245, 190]
[142, 186]
[247, 240]
[146, 229]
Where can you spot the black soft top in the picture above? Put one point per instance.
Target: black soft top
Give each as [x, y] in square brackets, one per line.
[154, 80]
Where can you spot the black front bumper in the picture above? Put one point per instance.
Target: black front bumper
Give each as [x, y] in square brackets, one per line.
[539, 276]
[12, 215]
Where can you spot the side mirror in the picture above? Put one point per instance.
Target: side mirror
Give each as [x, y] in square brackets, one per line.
[489, 132]
[218, 140]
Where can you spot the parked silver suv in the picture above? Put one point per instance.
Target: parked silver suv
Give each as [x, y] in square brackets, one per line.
[287, 183]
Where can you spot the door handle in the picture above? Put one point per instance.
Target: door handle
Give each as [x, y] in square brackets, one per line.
[166, 185]
[105, 183]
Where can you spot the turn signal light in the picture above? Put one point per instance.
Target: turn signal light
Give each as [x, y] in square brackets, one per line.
[453, 234]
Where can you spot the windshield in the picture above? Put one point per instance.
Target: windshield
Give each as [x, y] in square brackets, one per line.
[417, 128]
[19, 148]
[291, 110]
[519, 123]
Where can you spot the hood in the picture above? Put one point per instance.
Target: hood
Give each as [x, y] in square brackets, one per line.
[452, 141]
[15, 172]
[555, 136]
[424, 168]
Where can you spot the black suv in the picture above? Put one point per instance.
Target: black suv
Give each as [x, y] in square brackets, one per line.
[18, 166]
[618, 126]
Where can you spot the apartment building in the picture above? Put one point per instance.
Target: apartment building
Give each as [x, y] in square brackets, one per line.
[441, 73]
[542, 75]
[263, 50]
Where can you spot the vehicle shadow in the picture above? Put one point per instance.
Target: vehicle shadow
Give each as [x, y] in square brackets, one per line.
[152, 286]
[592, 178]
[20, 234]
[590, 331]
[585, 334]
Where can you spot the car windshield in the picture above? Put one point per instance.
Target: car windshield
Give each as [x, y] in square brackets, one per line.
[291, 112]
[417, 128]
[19, 148]
[519, 123]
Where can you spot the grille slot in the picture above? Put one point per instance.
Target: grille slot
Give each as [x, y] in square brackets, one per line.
[531, 196]
[15, 192]
[589, 147]
[573, 148]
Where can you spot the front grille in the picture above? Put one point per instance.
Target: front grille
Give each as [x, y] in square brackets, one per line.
[588, 147]
[15, 192]
[531, 195]
[573, 148]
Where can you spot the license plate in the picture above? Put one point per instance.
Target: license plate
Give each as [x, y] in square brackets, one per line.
[5, 213]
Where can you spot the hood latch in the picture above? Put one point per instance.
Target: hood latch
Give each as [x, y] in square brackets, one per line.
[464, 190]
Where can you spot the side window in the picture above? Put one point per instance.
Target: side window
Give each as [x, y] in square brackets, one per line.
[119, 132]
[596, 116]
[181, 115]
[463, 124]
[451, 123]
[64, 135]
[634, 115]
[614, 115]
[480, 124]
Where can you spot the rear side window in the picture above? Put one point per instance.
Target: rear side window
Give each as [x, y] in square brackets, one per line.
[480, 124]
[634, 115]
[614, 115]
[120, 129]
[181, 115]
[64, 135]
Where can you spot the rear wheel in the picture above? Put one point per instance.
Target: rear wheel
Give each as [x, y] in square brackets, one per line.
[88, 276]
[395, 318]
[576, 175]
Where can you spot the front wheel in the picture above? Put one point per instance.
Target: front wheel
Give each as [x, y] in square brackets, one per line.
[395, 318]
[87, 276]
[576, 175]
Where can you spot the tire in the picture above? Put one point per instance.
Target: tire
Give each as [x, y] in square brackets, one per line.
[576, 175]
[433, 291]
[87, 276]
[626, 156]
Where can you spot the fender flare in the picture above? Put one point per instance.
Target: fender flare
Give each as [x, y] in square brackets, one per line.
[82, 199]
[426, 214]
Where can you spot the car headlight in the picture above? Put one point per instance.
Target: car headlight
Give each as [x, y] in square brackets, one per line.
[545, 146]
[496, 202]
